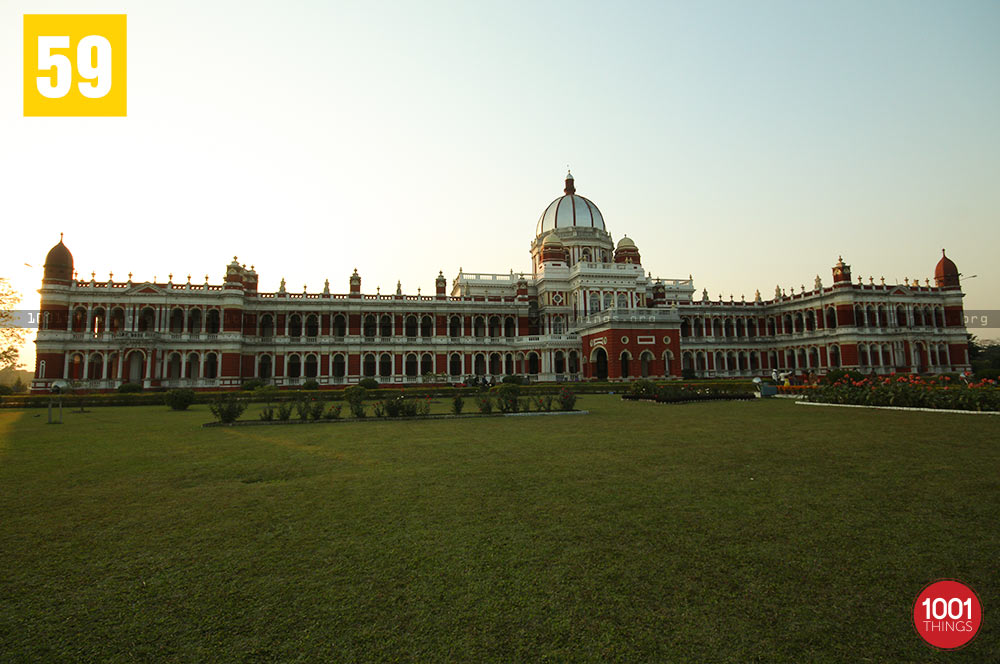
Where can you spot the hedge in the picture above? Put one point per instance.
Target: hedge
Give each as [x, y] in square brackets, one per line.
[157, 397]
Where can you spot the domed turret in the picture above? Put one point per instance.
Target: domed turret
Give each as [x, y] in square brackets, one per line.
[58, 263]
[569, 211]
[627, 252]
[946, 273]
[553, 249]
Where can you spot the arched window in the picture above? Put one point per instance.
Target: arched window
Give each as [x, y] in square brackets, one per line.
[622, 301]
[339, 326]
[312, 326]
[410, 327]
[41, 365]
[177, 321]
[557, 325]
[312, 366]
[479, 326]
[508, 327]
[211, 366]
[426, 364]
[455, 365]
[455, 327]
[574, 362]
[267, 326]
[295, 326]
[339, 366]
[385, 326]
[608, 300]
[369, 366]
[264, 368]
[685, 327]
[494, 326]
[147, 320]
[370, 327]
[560, 362]
[294, 367]
[479, 364]
[496, 364]
[385, 365]
[100, 321]
[625, 364]
[212, 322]
[831, 318]
[194, 321]
[533, 363]
[595, 302]
[410, 366]
[426, 326]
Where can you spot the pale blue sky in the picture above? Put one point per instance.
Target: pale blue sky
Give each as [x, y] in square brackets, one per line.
[746, 143]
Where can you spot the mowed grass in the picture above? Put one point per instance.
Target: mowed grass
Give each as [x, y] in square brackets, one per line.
[711, 532]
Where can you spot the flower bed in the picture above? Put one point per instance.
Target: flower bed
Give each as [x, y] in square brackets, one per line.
[910, 391]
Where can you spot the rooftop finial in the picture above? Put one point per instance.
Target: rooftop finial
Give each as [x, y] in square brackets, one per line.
[942, 251]
[60, 239]
[570, 187]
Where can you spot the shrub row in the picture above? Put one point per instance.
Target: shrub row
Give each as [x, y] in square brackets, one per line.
[228, 407]
[158, 397]
[681, 392]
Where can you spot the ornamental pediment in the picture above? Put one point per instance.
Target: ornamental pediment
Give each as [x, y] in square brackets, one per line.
[145, 289]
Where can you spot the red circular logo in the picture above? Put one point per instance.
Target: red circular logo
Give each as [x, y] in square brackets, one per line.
[947, 614]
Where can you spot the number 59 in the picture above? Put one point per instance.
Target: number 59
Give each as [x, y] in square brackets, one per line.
[97, 77]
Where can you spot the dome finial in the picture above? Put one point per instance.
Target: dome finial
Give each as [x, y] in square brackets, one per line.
[942, 251]
[61, 235]
[570, 186]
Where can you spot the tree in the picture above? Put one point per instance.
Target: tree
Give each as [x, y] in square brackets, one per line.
[11, 336]
[984, 356]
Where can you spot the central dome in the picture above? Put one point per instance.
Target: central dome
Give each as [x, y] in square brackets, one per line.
[570, 210]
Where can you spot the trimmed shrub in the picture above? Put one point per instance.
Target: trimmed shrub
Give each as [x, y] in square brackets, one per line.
[507, 397]
[567, 399]
[284, 411]
[267, 414]
[129, 388]
[368, 383]
[513, 380]
[355, 398]
[457, 404]
[485, 404]
[179, 399]
[227, 408]
[252, 384]
[642, 389]
[310, 384]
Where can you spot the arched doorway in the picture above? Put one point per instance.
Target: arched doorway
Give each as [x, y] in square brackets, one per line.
[646, 359]
[601, 364]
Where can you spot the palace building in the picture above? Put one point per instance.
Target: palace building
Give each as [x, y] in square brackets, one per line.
[586, 310]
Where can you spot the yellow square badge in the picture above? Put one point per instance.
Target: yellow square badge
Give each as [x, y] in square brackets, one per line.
[74, 65]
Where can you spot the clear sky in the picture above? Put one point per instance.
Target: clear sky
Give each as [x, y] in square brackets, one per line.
[746, 143]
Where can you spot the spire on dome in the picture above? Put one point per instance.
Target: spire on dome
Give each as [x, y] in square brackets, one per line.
[570, 186]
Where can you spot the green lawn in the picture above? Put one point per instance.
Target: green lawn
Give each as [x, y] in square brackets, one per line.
[746, 531]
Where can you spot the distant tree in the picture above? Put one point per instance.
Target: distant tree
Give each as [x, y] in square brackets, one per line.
[984, 355]
[11, 337]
